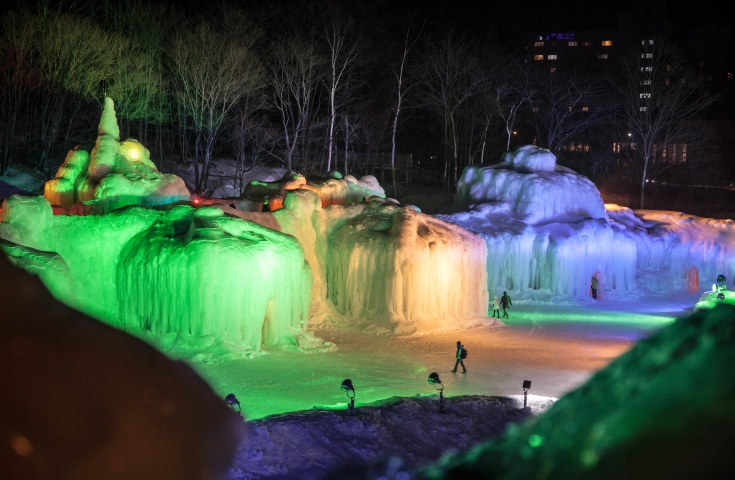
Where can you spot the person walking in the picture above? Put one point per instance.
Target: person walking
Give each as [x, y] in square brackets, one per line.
[505, 302]
[461, 355]
[594, 287]
[496, 306]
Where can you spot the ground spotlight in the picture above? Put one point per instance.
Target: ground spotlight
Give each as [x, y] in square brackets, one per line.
[232, 401]
[436, 381]
[526, 388]
[349, 389]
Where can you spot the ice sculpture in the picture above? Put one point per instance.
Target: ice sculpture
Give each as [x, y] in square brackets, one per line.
[677, 242]
[171, 273]
[532, 186]
[387, 264]
[545, 226]
[114, 175]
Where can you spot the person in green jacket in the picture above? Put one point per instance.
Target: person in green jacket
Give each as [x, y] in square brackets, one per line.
[594, 287]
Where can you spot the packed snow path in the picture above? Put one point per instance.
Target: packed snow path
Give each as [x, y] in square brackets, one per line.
[556, 345]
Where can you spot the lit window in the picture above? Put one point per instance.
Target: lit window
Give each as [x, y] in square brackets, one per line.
[535, 109]
[645, 95]
[572, 43]
[607, 43]
[585, 109]
[538, 44]
[667, 81]
[684, 153]
[646, 55]
[570, 109]
[551, 57]
[552, 70]
[538, 57]
[644, 42]
[650, 42]
[646, 69]
[643, 109]
[587, 44]
[646, 82]
[602, 56]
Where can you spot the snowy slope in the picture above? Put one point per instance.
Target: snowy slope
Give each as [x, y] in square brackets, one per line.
[308, 444]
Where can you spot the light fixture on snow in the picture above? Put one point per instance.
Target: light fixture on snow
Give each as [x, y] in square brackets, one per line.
[232, 401]
[134, 154]
[349, 389]
[526, 388]
[436, 381]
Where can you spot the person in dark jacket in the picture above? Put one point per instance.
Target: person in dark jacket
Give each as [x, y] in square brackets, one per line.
[505, 302]
[459, 361]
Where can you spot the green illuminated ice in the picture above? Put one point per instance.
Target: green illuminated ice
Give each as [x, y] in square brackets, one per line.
[114, 175]
[179, 275]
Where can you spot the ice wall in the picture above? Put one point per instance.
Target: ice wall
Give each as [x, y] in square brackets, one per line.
[558, 256]
[387, 265]
[527, 185]
[114, 175]
[169, 273]
[678, 241]
[545, 227]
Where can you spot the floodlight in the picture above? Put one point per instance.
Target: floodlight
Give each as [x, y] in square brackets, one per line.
[526, 388]
[134, 154]
[349, 389]
[436, 381]
[232, 401]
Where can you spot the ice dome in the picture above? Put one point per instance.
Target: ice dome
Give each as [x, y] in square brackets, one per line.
[114, 175]
[531, 185]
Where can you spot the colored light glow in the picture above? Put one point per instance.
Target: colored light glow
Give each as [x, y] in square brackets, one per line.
[536, 441]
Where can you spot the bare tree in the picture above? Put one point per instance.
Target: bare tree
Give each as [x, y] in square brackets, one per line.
[18, 78]
[213, 68]
[661, 100]
[294, 68]
[343, 55]
[564, 105]
[510, 90]
[451, 77]
[404, 83]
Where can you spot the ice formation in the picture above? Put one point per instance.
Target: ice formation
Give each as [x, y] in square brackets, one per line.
[388, 264]
[336, 190]
[532, 186]
[114, 175]
[179, 275]
[677, 242]
[83, 400]
[545, 227]
[662, 410]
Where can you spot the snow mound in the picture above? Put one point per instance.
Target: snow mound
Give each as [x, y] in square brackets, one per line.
[530, 157]
[178, 276]
[534, 195]
[387, 265]
[83, 400]
[661, 410]
[308, 444]
[114, 175]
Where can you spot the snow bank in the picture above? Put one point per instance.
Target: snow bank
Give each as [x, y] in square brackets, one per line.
[662, 410]
[114, 175]
[181, 276]
[308, 444]
[387, 265]
[677, 242]
[83, 400]
[535, 195]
